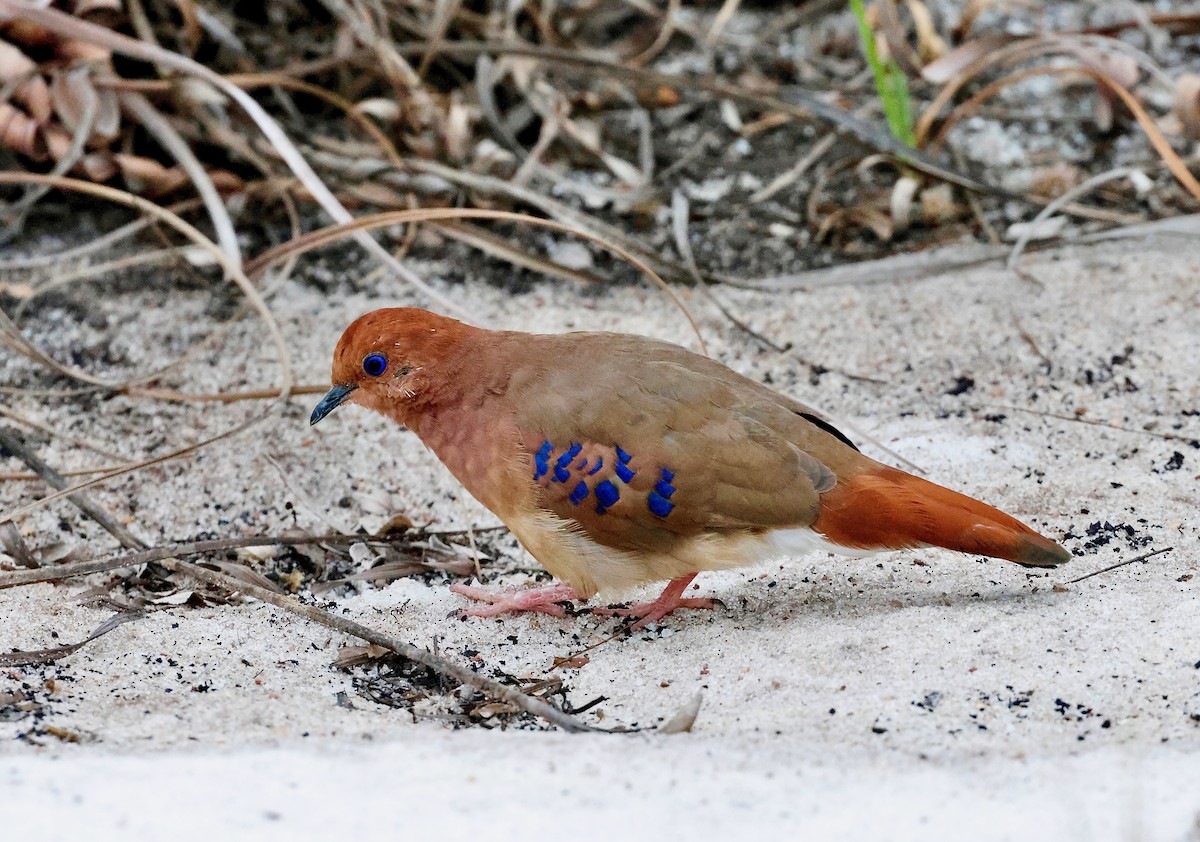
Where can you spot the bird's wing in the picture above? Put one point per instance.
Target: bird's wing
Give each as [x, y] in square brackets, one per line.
[639, 443]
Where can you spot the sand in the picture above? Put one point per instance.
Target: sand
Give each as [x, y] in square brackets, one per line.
[914, 695]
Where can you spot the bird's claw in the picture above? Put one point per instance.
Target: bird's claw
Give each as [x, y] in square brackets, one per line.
[646, 613]
[547, 599]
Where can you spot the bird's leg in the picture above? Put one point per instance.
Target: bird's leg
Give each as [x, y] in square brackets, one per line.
[493, 603]
[668, 601]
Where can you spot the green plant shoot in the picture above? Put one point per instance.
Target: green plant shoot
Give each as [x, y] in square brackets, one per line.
[890, 82]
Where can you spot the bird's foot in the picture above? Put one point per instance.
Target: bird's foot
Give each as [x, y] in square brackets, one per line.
[543, 600]
[670, 600]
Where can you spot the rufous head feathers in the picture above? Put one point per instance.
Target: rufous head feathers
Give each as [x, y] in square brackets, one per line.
[384, 359]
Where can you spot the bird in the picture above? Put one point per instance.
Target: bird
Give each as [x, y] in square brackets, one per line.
[618, 460]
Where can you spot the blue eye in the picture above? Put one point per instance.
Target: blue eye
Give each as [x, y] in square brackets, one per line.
[375, 364]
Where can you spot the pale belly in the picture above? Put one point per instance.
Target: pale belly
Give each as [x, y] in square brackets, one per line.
[591, 568]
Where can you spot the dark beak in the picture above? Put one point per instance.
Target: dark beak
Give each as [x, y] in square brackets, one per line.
[332, 400]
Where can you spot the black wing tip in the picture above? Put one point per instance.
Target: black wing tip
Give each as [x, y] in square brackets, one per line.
[829, 428]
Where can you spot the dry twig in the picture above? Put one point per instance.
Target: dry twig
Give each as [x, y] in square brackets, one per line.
[1128, 561]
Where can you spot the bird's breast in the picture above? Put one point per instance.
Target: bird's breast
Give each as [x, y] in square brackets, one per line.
[482, 450]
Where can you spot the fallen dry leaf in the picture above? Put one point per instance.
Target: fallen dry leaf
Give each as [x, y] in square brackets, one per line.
[1187, 104]
[938, 205]
[953, 63]
[930, 45]
[74, 94]
[904, 191]
[573, 663]
[32, 92]
[1045, 229]
[1055, 180]
[685, 718]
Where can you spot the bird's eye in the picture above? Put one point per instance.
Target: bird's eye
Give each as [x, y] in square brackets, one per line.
[375, 364]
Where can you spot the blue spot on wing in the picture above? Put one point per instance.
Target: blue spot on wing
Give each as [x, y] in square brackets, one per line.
[569, 454]
[623, 471]
[607, 493]
[659, 500]
[541, 459]
[606, 496]
[659, 505]
[561, 474]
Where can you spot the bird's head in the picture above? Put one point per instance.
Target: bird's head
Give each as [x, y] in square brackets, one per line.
[387, 359]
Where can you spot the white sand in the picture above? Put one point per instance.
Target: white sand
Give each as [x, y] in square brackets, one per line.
[915, 695]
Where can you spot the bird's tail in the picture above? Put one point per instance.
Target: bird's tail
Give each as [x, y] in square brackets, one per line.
[889, 509]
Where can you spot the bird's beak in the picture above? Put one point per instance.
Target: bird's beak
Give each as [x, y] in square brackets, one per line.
[332, 400]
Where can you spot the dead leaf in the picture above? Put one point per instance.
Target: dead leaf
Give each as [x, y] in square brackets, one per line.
[903, 192]
[246, 574]
[953, 63]
[930, 45]
[730, 116]
[684, 718]
[58, 552]
[97, 166]
[1187, 104]
[457, 131]
[1046, 229]
[571, 254]
[145, 176]
[383, 109]
[487, 711]
[660, 97]
[292, 581]
[573, 662]
[32, 92]
[353, 656]
[149, 178]
[176, 598]
[64, 734]
[361, 554]
[19, 132]
[1055, 180]
[395, 524]
[253, 554]
[873, 218]
[73, 94]
[938, 205]
[12, 542]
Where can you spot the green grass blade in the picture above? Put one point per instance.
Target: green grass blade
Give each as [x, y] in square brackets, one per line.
[890, 83]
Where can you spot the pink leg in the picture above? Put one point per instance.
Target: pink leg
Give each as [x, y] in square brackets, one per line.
[668, 601]
[544, 600]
